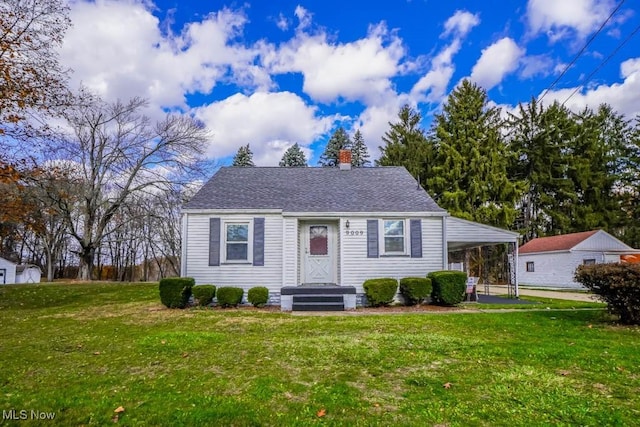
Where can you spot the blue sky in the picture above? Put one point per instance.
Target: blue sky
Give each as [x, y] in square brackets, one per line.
[275, 73]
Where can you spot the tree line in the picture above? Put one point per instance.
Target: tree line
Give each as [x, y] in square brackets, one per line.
[295, 157]
[540, 170]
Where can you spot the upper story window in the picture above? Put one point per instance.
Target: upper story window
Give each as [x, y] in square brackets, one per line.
[236, 241]
[394, 237]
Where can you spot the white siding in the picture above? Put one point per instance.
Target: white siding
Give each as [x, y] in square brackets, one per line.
[10, 273]
[602, 241]
[554, 269]
[290, 252]
[29, 275]
[240, 275]
[356, 267]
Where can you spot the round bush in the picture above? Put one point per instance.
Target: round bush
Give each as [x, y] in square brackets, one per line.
[380, 291]
[229, 296]
[203, 294]
[258, 296]
[415, 289]
[176, 291]
[448, 287]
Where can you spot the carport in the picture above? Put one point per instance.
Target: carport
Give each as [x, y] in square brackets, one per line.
[463, 235]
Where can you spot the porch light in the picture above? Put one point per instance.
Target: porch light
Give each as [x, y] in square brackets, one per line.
[346, 224]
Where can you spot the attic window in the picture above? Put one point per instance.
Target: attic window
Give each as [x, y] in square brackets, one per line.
[530, 267]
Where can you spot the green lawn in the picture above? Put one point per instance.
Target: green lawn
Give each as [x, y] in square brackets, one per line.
[81, 351]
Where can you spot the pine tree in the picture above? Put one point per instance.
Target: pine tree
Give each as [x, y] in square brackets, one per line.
[359, 151]
[469, 177]
[338, 141]
[293, 157]
[406, 145]
[244, 157]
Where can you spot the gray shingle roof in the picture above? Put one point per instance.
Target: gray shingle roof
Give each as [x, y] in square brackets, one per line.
[379, 189]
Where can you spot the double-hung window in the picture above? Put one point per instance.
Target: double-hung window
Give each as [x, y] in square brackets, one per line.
[394, 237]
[236, 241]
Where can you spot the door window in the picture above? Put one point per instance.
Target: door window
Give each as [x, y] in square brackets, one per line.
[318, 240]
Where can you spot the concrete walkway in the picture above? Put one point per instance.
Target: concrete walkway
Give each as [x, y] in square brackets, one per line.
[566, 295]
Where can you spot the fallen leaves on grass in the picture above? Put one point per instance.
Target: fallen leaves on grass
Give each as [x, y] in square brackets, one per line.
[447, 385]
[321, 413]
[564, 373]
[119, 409]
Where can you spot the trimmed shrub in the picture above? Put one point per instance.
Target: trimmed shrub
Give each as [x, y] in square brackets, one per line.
[258, 296]
[448, 286]
[204, 294]
[616, 284]
[176, 291]
[229, 296]
[380, 291]
[415, 289]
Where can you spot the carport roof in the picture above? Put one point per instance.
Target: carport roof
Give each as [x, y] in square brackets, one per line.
[464, 234]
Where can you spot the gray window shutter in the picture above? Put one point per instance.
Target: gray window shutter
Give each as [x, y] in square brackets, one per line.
[416, 238]
[258, 241]
[372, 238]
[214, 241]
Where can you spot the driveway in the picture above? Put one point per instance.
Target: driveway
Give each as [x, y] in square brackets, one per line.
[567, 295]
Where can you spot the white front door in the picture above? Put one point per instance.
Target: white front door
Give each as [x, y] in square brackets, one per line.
[319, 254]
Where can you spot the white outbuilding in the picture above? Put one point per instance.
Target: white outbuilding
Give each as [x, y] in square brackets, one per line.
[7, 272]
[552, 261]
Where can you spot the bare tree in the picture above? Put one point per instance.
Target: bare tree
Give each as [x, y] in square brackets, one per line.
[31, 78]
[118, 154]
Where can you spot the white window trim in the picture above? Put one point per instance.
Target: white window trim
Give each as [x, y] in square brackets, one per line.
[381, 237]
[223, 249]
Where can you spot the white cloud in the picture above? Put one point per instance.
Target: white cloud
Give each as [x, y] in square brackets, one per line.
[282, 22]
[357, 71]
[621, 96]
[304, 17]
[559, 18]
[496, 61]
[460, 23]
[118, 50]
[269, 122]
[536, 66]
[432, 87]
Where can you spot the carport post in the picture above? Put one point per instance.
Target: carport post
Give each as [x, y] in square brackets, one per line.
[515, 267]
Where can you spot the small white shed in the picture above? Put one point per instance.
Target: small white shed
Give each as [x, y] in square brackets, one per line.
[28, 273]
[7, 272]
[552, 261]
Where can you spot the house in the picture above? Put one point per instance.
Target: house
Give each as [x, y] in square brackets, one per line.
[7, 272]
[318, 233]
[28, 273]
[11, 273]
[552, 261]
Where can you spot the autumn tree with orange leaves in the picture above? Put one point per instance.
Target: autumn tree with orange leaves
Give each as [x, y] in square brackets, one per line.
[31, 78]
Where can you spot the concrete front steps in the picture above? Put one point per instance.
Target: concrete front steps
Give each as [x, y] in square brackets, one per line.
[318, 298]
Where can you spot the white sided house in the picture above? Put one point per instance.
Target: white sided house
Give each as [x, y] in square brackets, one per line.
[552, 261]
[7, 272]
[312, 235]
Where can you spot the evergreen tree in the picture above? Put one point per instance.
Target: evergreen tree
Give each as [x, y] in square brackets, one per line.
[359, 151]
[539, 137]
[406, 145]
[469, 177]
[338, 141]
[293, 157]
[244, 157]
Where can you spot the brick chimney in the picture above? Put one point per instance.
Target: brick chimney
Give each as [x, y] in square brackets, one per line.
[345, 160]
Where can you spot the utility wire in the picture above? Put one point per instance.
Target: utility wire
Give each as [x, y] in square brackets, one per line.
[575, 58]
[611, 55]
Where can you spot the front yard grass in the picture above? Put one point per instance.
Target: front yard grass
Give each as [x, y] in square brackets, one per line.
[83, 350]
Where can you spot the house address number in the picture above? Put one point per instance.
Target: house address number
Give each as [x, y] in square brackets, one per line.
[353, 232]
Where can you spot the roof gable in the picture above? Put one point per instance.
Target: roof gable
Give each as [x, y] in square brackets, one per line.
[587, 240]
[377, 189]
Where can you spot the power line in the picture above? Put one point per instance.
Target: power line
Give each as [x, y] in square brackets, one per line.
[575, 58]
[611, 55]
